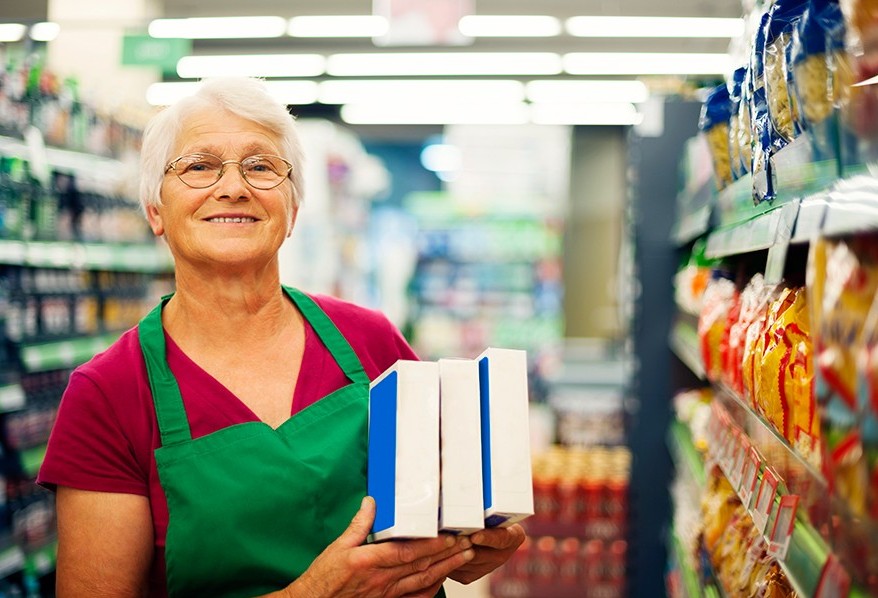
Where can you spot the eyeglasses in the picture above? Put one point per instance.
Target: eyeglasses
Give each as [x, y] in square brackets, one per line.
[200, 171]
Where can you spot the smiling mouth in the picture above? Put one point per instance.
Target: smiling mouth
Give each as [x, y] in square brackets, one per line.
[236, 220]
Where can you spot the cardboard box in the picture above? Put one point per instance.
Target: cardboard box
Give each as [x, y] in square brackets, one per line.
[461, 507]
[506, 459]
[403, 470]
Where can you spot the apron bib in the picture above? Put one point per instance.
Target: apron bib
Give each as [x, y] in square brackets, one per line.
[250, 506]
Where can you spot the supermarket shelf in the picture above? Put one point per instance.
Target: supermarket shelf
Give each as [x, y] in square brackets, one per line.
[684, 343]
[681, 445]
[807, 552]
[41, 560]
[11, 398]
[80, 163]
[145, 257]
[12, 557]
[690, 577]
[846, 207]
[61, 354]
[698, 208]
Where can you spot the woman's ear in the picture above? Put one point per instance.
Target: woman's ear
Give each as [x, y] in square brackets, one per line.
[293, 217]
[155, 220]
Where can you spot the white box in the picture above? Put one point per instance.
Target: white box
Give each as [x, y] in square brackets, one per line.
[506, 459]
[461, 503]
[403, 469]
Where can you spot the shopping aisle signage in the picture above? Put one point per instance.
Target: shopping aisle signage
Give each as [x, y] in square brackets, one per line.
[143, 50]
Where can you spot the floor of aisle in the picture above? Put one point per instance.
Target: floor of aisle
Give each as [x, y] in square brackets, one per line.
[477, 589]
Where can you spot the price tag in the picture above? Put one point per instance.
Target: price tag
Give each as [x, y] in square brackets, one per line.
[742, 450]
[784, 522]
[764, 500]
[750, 477]
[834, 580]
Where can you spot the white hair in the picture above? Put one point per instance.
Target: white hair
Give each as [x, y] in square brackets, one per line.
[243, 96]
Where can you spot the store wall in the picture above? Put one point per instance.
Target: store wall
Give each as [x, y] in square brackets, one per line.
[593, 231]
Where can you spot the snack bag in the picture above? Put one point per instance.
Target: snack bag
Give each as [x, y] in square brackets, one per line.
[771, 401]
[719, 297]
[849, 273]
[752, 301]
[714, 125]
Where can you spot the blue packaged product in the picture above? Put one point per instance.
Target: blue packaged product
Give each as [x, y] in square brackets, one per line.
[714, 124]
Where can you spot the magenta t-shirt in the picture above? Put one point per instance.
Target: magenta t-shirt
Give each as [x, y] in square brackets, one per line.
[106, 432]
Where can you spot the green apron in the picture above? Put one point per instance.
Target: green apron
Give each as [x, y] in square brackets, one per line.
[250, 506]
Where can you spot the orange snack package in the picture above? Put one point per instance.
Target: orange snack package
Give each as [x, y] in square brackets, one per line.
[719, 296]
[751, 304]
[771, 401]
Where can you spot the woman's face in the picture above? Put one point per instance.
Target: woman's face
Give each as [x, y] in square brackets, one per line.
[229, 223]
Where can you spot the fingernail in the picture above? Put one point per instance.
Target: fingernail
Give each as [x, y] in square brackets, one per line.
[465, 543]
[449, 541]
[469, 554]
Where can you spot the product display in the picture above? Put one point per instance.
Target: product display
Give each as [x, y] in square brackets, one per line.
[403, 470]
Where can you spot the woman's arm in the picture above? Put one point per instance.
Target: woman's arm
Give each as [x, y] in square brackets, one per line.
[105, 544]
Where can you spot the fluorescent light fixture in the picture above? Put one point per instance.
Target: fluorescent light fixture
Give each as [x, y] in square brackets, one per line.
[441, 157]
[583, 113]
[435, 114]
[509, 26]
[11, 32]
[358, 91]
[45, 31]
[338, 26]
[289, 92]
[654, 27]
[219, 27]
[563, 90]
[251, 65]
[636, 63]
[443, 63]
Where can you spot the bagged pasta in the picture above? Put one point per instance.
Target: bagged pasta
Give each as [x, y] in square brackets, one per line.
[760, 121]
[736, 157]
[745, 126]
[719, 298]
[782, 111]
[714, 125]
[815, 43]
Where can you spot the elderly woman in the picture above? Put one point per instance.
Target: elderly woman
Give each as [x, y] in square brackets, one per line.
[219, 448]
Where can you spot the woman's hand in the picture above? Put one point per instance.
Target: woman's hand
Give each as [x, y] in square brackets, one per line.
[407, 568]
[492, 547]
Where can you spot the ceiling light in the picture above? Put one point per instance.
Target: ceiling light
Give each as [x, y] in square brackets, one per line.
[251, 65]
[44, 32]
[289, 92]
[561, 90]
[636, 63]
[11, 32]
[399, 90]
[441, 157]
[509, 26]
[435, 114]
[219, 27]
[444, 63]
[338, 26]
[584, 113]
[654, 27]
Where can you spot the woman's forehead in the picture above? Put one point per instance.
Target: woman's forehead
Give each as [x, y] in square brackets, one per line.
[215, 129]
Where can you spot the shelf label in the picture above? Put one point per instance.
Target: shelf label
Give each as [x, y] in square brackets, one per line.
[834, 580]
[742, 450]
[777, 253]
[750, 477]
[783, 526]
[764, 500]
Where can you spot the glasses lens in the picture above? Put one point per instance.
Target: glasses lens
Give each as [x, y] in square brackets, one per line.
[198, 170]
[264, 171]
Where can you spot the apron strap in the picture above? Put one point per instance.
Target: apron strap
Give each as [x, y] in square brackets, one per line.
[335, 342]
[169, 410]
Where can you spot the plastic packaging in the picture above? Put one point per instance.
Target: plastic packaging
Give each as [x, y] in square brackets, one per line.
[783, 112]
[714, 125]
[736, 157]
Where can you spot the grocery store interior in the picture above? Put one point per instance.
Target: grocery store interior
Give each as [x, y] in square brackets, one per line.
[671, 207]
